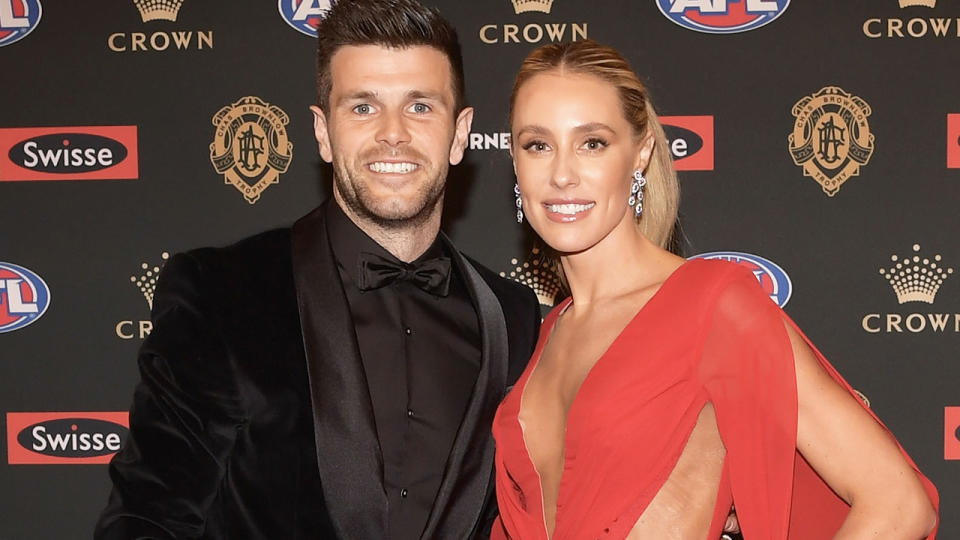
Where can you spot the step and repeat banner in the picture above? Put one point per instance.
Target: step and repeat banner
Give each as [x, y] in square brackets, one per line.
[818, 144]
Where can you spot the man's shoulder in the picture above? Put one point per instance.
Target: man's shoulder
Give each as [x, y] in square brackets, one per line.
[263, 256]
[263, 246]
[506, 289]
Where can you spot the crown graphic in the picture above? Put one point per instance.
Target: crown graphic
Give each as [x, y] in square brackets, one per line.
[540, 274]
[915, 278]
[146, 281]
[543, 6]
[914, 3]
[158, 10]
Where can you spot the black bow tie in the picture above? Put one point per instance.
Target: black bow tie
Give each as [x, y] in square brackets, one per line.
[431, 275]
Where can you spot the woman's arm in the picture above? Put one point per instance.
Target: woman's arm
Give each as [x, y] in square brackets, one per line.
[856, 457]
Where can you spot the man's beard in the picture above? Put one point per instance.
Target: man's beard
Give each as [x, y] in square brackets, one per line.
[389, 213]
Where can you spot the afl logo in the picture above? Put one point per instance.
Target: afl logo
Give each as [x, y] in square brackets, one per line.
[303, 15]
[772, 278]
[24, 297]
[722, 16]
[17, 19]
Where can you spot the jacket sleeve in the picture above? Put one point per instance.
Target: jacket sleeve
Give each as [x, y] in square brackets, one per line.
[184, 419]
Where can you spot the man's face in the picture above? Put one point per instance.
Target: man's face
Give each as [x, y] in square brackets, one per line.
[390, 132]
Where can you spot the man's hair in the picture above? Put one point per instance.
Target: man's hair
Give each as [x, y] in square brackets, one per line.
[389, 23]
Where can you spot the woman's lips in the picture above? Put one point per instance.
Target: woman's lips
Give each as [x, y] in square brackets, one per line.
[567, 210]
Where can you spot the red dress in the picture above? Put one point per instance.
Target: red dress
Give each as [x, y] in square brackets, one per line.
[710, 334]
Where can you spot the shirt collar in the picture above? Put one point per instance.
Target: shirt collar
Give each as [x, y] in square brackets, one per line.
[348, 240]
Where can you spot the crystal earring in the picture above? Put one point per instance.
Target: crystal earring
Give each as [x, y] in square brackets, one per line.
[636, 192]
[516, 191]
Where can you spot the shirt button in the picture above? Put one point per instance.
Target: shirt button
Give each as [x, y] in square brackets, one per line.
[409, 413]
[403, 493]
[407, 331]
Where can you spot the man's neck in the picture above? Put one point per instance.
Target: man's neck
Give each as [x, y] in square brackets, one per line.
[405, 242]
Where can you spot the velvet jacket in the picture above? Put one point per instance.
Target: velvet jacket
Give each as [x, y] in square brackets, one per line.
[252, 419]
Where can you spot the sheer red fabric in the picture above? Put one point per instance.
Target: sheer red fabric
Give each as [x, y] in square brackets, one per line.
[710, 334]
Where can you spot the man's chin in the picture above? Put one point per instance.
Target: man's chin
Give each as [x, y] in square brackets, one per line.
[396, 213]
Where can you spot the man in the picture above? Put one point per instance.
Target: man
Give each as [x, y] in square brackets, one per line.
[337, 379]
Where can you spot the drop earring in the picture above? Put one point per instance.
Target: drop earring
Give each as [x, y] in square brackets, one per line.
[516, 191]
[636, 193]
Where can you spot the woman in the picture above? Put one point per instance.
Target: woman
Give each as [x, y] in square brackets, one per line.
[663, 390]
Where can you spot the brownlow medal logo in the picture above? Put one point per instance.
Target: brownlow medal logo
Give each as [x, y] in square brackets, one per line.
[250, 148]
[831, 137]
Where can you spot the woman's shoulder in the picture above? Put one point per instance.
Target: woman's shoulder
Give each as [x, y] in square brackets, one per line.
[712, 277]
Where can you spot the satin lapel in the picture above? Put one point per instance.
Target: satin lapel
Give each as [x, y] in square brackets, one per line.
[348, 451]
[467, 477]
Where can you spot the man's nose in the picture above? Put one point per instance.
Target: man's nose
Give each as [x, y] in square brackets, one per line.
[393, 129]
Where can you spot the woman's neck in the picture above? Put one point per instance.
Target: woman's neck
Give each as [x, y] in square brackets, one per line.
[623, 262]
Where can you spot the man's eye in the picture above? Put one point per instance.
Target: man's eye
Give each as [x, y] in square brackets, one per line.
[421, 108]
[363, 109]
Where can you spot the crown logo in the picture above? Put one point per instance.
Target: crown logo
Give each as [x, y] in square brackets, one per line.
[538, 273]
[146, 281]
[543, 6]
[920, 3]
[158, 10]
[915, 278]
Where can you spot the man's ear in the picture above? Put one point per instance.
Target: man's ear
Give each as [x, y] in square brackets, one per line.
[321, 133]
[461, 135]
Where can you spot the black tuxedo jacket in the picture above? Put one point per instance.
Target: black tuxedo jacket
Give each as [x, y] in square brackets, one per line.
[253, 418]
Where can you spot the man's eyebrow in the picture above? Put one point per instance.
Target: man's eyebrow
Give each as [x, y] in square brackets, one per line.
[422, 94]
[358, 95]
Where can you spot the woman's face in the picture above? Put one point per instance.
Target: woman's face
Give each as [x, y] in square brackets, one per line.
[574, 155]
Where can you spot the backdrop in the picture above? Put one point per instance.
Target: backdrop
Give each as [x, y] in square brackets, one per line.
[815, 142]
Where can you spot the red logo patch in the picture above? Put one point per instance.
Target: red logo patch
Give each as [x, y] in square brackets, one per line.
[690, 139]
[73, 438]
[951, 433]
[953, 141]
[69, 153]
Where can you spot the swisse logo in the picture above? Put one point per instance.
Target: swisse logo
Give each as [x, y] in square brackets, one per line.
[722, 16]
[915, 279]
[159, 41]
[490, 141]
[690, 139]
[24, 297]
[303, 15]
[69, 153]
[65, 438]
[913, 27]
[535, 32]
[772, 278]
[953, 141]
[17, 19]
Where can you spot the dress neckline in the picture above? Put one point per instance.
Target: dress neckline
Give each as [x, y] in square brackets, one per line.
[535, 361]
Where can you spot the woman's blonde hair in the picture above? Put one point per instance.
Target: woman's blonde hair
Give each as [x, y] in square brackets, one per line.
[587, 57]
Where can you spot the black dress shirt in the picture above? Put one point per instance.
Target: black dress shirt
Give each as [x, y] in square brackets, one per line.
[421, 355]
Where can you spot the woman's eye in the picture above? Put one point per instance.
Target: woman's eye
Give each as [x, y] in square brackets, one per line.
[595, 144]
[536, 146]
